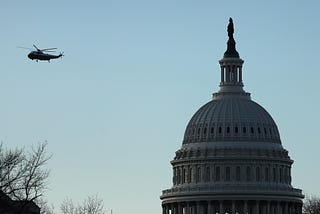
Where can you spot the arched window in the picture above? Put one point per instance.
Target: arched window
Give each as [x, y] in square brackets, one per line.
[205, 130]
[183, 175]
[266, 174]
[227, 173]
[236, 129]
[258, 177]
[212, 130]
[248, 172]
[244, 129]
[190, 175]
[238, 173]
[274, 175]
[220, 129]
[286, 175]
[199, 174]
[228, 129]
[207, 174]
[252, 130]
[217, 173]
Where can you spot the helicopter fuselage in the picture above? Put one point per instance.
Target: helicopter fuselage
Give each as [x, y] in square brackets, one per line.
[39, 55]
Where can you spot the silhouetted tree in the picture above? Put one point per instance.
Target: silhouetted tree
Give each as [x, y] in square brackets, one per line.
[311, 205]
[91, 205]
[23, 174]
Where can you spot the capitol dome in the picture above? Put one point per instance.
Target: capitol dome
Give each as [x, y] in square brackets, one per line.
[231, 160]
[235, 118]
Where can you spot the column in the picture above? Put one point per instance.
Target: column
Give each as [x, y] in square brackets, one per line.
[221, 207]
[198, 207]
[167, 209]
[222, 74]
[209, 207]
[214, 209]
[256, 208]
[240, 74]
[188, 208]
[286, 208]
[233, 211]
[278, 208]
[263, 208]
[179, 208]
[235, 73]
[245, 207]
[300, 208]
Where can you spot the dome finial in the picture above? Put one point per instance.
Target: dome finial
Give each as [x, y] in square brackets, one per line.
[231, 48]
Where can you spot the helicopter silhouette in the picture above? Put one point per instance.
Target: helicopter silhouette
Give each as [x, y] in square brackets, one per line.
[39, 54]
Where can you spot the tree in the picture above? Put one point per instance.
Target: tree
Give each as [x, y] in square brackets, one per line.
[91, 205]
[311, 205]
[23, 174]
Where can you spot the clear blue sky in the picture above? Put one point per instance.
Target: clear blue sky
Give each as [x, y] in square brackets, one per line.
[114, 109]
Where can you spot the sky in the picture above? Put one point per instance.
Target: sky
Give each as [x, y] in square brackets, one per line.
[114, 109]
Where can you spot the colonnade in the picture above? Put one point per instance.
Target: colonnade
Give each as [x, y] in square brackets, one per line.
[233, 207]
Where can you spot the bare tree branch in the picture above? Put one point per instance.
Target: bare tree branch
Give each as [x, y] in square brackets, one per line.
[311, 205]
[23, 175]
[91, 205]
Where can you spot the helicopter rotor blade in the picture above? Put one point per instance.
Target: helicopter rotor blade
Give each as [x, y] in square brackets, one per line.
[25, 48]
[48, 49]
[36, 48]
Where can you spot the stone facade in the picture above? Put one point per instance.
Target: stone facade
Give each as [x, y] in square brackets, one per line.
[231, 159]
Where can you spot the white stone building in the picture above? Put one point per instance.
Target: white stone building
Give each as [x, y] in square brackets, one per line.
[231, 159]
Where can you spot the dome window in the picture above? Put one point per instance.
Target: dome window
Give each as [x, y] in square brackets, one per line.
[236, 129]
[183, 175]
[248, 173]
[220, 130]
[207, 174]
[212, 130]
[258, 174]
[190, 175]
[244, 130]
[198, 174]
[227, 173]
[238, 173]
[217, 173]
[228, 129]
[259, 131]
[205, 131]
[266, 174]
[252, 130]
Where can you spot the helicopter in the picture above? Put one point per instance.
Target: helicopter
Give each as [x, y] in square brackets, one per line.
[39, 54]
